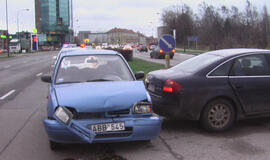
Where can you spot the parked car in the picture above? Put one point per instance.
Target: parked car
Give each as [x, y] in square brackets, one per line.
[128, 47]
[152, 47]
[159, 53]
[142, 48]
[94, 97]
[216, 88]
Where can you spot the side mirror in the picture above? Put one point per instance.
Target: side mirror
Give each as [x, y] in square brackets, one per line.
[139, 75]
[46, 78]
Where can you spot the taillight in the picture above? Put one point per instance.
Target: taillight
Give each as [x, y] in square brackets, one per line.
[173, 51]
[83, 45]
[172, 86]
[161, 51]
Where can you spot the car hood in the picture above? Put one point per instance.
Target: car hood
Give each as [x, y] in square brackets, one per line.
[100, 96]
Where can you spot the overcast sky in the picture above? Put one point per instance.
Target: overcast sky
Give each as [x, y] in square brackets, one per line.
[102, 15]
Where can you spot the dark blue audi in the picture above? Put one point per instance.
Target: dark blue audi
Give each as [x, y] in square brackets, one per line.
[217, 88]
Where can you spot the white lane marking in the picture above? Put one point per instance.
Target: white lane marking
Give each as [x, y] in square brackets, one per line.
[39, 74]
[8, 94]
[6, 66]
[25, 62]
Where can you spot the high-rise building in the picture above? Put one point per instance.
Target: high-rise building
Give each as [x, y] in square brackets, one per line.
[54, 18]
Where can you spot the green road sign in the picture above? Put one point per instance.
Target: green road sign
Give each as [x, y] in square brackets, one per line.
[3, 36]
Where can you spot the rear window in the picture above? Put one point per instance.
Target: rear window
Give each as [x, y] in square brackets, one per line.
[196, 63]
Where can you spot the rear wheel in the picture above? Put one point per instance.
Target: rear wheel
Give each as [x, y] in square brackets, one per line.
[218, 115]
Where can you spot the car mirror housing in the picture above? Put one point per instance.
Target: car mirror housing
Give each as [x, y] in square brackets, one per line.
[46, 78]
[139, 75]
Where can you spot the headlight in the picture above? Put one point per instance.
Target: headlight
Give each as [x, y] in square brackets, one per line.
[63, 114]
[142, 107]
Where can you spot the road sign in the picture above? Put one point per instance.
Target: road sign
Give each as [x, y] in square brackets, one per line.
[167, 43]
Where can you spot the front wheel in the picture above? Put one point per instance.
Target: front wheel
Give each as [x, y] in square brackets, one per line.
[218, 116]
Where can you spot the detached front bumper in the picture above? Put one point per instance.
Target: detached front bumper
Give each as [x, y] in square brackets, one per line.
[143, 128]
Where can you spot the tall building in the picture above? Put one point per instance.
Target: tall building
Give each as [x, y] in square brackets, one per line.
[54, 19]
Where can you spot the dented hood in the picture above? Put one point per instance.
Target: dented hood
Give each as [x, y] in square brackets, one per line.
[100, 96]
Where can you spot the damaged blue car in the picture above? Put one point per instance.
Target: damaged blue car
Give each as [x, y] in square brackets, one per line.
[94, 97]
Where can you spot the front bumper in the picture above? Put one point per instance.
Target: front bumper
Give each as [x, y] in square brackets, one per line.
[143, 128]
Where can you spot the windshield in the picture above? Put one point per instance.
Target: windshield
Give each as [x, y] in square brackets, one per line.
[196, 63]
[76, 69]
[13, 43]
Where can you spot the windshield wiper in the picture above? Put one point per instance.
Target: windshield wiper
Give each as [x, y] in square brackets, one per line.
[97, 80]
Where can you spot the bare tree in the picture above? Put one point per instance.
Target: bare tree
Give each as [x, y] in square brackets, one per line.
[219, 27]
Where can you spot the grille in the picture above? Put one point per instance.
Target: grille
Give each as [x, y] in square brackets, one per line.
[111, 113]
[88, 115]
[91, 115]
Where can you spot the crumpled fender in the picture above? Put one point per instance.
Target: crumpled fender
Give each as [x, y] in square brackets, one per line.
[79, 130]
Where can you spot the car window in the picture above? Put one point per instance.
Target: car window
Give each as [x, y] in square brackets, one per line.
[252, 65]
[222, 70]
[196, 63]
[92, 68]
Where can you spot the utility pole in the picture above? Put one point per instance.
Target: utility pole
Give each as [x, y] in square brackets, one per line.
[7, 28]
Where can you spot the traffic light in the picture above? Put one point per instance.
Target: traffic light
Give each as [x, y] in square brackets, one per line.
[35, 39]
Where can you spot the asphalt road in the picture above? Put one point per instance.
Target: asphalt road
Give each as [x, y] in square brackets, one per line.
[22, 135]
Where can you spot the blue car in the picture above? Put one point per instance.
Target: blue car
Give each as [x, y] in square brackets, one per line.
[94, 97]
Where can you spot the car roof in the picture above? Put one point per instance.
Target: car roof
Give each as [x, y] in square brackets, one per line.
[236, 51]
[83, 51]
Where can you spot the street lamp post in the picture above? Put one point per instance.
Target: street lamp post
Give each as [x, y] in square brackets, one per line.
[18, 26]
[7, 28]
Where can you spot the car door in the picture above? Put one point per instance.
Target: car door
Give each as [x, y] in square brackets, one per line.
[249, 78]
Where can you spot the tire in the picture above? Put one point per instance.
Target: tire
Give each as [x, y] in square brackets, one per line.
[171, 57]
[218, 115]
[151, 56]
[54, 145]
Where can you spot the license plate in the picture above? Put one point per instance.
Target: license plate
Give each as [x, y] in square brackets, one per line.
[108, 127]
[151, 87]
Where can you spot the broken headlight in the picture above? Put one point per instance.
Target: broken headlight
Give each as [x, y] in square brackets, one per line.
[63, 114]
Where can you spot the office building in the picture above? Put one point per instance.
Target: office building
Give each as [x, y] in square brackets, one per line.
[54, 19]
